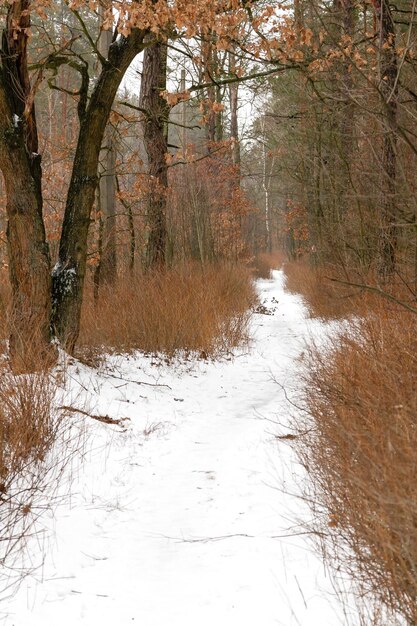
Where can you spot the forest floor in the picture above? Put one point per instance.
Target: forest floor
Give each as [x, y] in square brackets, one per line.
[186, 513]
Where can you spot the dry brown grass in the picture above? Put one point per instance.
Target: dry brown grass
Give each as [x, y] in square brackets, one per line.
[325, 298]
[189, 308]
[4, 304]
[264, 263]
[38, 443]
[26, 426]
[358, 442]
[28, 430]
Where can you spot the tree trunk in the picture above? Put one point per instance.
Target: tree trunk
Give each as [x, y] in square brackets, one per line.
[131, 228]
[68, 274]
[266, 184]
[155, 133]
[107, 171]
[347, 20]
[234, 125]
[346, 25]
[389, 92]
[214, 124]
[29, 263]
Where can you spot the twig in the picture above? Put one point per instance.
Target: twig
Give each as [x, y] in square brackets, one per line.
[245, 536]
[377, 290]
[100, 418]
[138, 382]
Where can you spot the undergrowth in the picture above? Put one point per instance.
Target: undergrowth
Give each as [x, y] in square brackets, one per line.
[189, 308]
[38, 442]
[263, 263]
[30, 464]
[357, 439]
[323, 291]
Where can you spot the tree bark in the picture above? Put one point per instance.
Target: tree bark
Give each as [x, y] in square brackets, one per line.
[346, 22]
[234, 124]
[346, 13]
[107, 269]
[214, 125]
[69, 272]
[29, 263]
[389, 92]
[108, 259]
[266, 184]
[155, 133]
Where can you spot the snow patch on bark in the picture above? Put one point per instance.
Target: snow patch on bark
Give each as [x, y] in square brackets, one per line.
[64, 278]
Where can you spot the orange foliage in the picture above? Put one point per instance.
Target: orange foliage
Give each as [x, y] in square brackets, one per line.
[208, 209]
[296, 225]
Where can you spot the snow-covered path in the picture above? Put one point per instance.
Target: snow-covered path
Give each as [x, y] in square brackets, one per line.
[187, 518]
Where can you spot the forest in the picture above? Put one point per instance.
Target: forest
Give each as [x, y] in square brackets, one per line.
[208, 285]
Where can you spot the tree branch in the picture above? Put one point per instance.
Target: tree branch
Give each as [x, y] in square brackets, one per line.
[377, 290]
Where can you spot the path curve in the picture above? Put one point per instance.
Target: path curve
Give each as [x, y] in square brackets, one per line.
[183, 520]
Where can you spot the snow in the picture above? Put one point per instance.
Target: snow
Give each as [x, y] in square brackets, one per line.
[186, 515]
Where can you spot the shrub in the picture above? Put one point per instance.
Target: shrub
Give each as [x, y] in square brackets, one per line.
[358, 442]
[28, 430]
[325, 298]
[4, 304]
[264, 263]
[26, 427]
[189, 308]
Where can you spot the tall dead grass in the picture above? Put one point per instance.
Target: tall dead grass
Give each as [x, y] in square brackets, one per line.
[358, 442]
[4, 305]
[37, 444]
[189, 308]
[325, 297]
[28, 430]
[26, 425]
[263, 263]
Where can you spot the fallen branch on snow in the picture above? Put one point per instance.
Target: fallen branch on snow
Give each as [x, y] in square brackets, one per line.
[105, 419]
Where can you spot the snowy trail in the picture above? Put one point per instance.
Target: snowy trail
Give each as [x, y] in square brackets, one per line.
[187, 517]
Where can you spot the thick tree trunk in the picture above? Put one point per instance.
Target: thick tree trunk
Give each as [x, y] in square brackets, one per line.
[155, 133]
[68, 274]
[29, 262]
[131, 228]
[108, 258]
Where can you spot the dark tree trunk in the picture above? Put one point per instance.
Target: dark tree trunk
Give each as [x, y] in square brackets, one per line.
[347, 30]
[389, 91]
[131, 228]
[234, 125]
[107, 269]
[344, 125]
[345, 10]
[214, 124]
[155, 133]
[68, 274]
[108, 258]
[29, 262]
